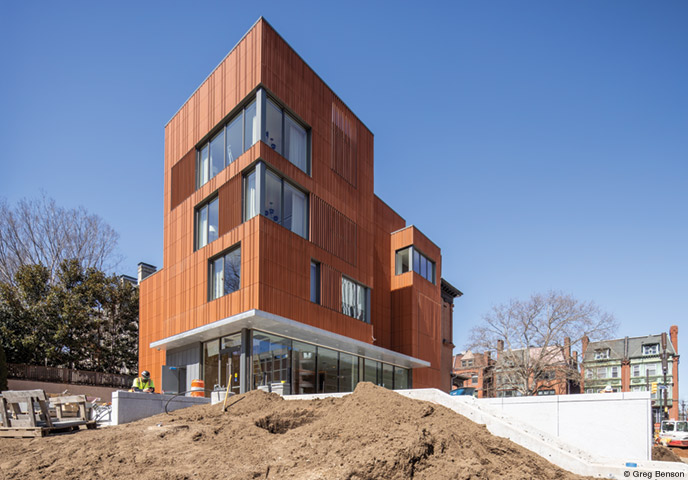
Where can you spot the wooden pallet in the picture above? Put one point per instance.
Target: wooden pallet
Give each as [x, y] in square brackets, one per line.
[26, 413]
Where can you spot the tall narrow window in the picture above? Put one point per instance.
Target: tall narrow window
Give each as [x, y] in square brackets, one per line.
[354, 300]
[284, 134]
[235, 145]
[203, 167]
[294, 210]
[315, 282]
[217, 156]
[295, 143]
[225, 273]
[250, 196]
[207, 219]
[273, 126]
[250, 126]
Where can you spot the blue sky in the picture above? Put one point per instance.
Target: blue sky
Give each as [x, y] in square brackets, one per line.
[542, 144]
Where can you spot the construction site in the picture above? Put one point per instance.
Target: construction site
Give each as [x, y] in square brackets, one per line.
[372, 433]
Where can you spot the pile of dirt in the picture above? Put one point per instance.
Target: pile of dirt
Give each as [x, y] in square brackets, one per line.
[664, 454]
[372, 434]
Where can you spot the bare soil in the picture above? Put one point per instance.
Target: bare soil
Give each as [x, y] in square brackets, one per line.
[372, 434]
[664, 454]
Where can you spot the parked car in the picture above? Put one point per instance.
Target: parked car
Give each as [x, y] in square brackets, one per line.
[463, 391]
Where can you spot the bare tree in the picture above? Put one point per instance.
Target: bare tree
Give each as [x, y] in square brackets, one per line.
[534, 338]
[38, 231]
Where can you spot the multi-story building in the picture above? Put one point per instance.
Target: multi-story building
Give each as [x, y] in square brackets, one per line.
[633, 364]
[281, 266]
[474, 370]
[551, 370]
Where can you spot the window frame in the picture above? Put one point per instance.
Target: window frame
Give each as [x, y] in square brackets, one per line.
[366, 292]
[261, 172]
[651, 349]
[211, 271]
[423, 262]
[285, 112]
[197, 210]
[602, 354]
[315, 283]
[238, 113]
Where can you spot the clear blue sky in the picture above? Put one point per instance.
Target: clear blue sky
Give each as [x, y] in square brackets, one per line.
[542, 144]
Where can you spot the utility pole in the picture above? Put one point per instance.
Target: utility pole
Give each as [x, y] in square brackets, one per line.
[665, 413]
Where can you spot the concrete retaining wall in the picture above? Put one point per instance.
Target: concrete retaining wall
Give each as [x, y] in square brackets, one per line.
[589, 421]
[131, 406]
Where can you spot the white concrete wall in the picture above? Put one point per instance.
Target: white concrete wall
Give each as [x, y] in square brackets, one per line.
[614, 425]
[131, 406]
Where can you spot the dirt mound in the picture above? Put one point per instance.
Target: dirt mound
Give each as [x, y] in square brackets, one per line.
[372, 434]
[664, 454]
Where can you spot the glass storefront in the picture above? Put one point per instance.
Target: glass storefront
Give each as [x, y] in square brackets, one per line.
[292, 366]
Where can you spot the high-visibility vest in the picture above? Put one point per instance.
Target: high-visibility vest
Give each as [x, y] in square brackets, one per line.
[142, 384]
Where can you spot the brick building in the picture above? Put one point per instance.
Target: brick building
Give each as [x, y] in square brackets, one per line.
[280, 264]
[474, 370]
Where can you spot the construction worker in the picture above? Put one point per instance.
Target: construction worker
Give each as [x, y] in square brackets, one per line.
[143, 383]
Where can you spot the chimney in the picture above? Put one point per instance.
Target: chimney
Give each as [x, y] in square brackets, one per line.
[575, 357]
[145, 270]
[673, 332]
[486, 358]
[500, 345]
[584, 346]
[567, 349]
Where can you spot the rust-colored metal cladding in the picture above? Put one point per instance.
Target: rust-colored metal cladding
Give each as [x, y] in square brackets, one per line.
[275, 228]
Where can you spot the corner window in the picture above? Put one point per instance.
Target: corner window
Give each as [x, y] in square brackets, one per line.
[225, 273]
[315, 282]
[235, 137]
[206, 223]
[355, 300]
[281, 201]
[284, 134]
[652, 349]
[410, 258]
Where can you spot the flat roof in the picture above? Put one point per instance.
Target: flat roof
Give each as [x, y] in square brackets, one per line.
[285, 327]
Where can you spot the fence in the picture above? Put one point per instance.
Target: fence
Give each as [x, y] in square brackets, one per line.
[68, 375]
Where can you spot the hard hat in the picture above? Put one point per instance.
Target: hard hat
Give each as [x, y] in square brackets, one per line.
[145, 374]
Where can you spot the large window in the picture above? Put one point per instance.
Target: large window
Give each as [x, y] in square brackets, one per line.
[271, 360]
[232, 140]
[355, 300]
[225, 273]
[282, 202]
[207, 220]
[410, 258]
[284, 134]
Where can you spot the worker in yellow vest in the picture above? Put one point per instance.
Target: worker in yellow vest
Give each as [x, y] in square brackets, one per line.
[143, 383]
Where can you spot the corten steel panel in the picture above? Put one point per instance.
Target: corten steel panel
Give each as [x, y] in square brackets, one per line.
[183, 178]
[229, 196]
[275, 263]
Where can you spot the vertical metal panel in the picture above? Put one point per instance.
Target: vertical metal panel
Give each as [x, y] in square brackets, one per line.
[183, 178]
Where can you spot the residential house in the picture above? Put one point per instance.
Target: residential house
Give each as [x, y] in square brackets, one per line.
[474, 370]
[551, 370]
[633, 364]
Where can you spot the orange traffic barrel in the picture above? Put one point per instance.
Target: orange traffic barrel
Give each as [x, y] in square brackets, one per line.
[197, 388]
